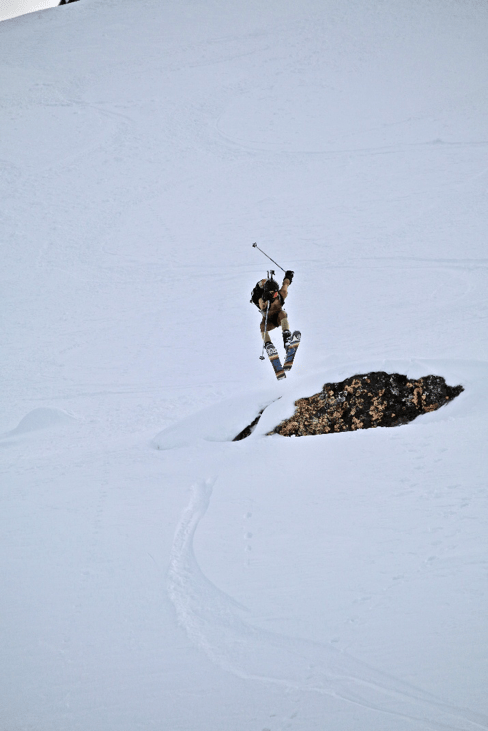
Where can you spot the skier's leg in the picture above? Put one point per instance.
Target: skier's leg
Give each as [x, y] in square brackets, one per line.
[285, 327]
[265, 332]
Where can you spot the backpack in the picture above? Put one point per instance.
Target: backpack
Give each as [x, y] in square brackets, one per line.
[257, 292]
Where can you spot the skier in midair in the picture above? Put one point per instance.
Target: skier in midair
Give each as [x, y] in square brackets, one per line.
[269, 299]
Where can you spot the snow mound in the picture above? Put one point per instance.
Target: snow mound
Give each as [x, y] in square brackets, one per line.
[216, 423]
[41, 418]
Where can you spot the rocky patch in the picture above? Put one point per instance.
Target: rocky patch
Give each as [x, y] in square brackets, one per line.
[365, 402]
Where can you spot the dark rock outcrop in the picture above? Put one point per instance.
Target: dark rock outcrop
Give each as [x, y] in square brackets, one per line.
[365, 402]
[65, 2]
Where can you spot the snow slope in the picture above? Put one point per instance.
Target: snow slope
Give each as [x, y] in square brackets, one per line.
[14, 8]
[155, 574]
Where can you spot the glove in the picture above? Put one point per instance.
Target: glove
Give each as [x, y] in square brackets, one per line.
[289, 275]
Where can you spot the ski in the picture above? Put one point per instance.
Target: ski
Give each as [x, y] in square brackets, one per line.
[291, 350]
[275, 360]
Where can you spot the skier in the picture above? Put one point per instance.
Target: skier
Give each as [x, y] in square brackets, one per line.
[269, 299]
[270, 302]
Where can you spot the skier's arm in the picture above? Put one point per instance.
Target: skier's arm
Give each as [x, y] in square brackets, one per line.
[286, 283]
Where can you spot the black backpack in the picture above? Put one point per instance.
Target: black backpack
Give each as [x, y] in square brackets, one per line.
[256, 294]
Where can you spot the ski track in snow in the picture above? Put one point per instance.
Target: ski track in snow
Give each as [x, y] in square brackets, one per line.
[212, 622]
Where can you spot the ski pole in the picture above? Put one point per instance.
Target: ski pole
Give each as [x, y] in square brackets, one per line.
[261, 357]
[255, 246]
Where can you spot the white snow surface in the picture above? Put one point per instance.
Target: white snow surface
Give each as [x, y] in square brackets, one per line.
[14, 8]
[155, 574]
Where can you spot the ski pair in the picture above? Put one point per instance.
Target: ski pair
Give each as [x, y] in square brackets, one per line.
[280, 370]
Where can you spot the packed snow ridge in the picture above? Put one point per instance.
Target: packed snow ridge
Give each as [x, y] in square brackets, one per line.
[363, 402]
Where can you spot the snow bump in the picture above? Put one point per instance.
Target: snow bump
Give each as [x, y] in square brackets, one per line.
[41, 418]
